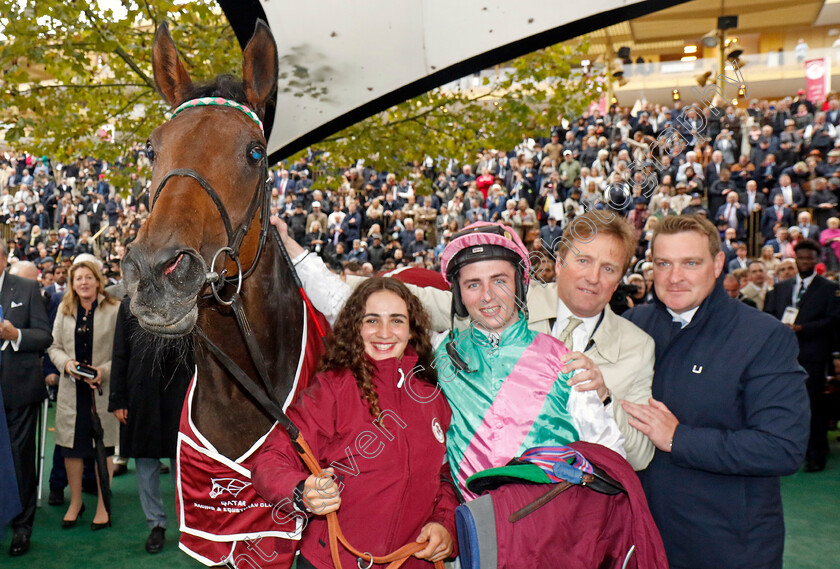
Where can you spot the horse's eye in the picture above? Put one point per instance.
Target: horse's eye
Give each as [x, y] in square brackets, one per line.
[256, 154]
[150, 152]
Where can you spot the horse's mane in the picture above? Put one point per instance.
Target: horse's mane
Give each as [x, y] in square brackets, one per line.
[225, 86]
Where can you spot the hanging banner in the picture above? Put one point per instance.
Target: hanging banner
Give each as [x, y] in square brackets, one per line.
[817, 79]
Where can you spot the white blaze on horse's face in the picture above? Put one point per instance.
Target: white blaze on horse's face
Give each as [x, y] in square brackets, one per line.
[385, 328]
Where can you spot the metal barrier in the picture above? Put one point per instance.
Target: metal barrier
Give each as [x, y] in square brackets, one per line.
[754, 239]
[7, 232]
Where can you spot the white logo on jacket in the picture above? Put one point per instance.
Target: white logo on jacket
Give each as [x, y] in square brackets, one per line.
[437, 430]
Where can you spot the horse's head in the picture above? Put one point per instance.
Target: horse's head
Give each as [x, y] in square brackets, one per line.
[209, 169]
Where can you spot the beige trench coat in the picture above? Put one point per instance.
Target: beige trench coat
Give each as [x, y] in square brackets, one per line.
[62, 350]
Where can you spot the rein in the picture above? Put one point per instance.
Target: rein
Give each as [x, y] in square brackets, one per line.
[265, 396]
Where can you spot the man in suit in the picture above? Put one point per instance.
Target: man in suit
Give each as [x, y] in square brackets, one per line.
[756, 289]
[815, 301]
[740, 261]
[752, 199]
[790, 192]
[67, 243]
[284, 184]
[777, 213]
[732, 214]
[806, 228]
[55, 291]
[715, 167]
[732, 288]
[25, 334]
[728, 245]
[550, 232]
[781, 243]
[727, 424]
[720, 189]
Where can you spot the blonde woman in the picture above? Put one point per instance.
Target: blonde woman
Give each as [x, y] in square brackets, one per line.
[83, 333]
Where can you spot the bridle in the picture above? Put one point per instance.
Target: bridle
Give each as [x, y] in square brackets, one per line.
[264, 395]
[259, 199]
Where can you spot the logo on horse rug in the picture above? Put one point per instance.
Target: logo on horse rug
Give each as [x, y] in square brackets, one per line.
[231, 485]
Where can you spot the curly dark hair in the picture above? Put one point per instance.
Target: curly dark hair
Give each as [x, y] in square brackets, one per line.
[346, 350]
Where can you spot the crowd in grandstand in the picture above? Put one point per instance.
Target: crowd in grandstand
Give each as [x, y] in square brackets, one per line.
[766, 175]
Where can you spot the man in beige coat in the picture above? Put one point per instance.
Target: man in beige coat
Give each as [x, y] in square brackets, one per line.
[756, 288]
[596, 248]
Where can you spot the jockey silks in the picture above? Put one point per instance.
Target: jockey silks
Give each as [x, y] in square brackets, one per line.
[514, 397]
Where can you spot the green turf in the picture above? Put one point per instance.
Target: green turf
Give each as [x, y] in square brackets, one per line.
[812, 516]
[119, 547]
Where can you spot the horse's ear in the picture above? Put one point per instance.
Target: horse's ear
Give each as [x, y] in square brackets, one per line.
[171, 78]
[259, 67]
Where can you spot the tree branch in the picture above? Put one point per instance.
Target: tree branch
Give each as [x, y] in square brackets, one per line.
[121, 52]
[128, 104]
[149, 12]
[102, 85]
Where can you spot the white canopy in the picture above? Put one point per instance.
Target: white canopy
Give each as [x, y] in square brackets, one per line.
[344, 60]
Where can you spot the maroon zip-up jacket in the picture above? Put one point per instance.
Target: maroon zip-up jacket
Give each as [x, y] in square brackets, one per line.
[392, 469]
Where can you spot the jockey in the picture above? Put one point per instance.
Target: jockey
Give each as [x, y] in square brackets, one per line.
[503, 381]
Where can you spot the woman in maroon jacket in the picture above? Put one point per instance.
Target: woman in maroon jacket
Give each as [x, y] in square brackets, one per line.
[376, 421]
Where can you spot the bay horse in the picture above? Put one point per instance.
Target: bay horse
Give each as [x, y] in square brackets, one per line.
[202, 265]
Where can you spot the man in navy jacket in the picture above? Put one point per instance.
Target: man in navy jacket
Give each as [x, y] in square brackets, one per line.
[729, 413]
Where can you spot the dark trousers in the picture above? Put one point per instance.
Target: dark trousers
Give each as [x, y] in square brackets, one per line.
[23, 435]
[818, 439]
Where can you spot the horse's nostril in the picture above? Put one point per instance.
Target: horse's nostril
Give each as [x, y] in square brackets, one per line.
[173, 265]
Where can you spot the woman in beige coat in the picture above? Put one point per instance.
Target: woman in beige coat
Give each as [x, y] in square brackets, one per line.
[84, 333]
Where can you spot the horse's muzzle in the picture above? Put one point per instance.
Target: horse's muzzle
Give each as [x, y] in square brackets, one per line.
[164, 285]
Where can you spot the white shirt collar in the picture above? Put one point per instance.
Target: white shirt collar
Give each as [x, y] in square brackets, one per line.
[563, 314]
[687, 315]
[799, 280]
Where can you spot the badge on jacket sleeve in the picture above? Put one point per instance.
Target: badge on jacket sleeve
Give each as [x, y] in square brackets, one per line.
[437, 430]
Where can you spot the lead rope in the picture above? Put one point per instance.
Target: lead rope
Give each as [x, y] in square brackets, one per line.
[394, 559]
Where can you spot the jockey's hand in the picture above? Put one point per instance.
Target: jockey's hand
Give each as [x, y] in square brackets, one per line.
[292, 246]
[281, 226]
[590, 376]
[321, 494]
[440, 543]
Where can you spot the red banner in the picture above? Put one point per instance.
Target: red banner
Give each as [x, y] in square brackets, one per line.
[817, 79]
